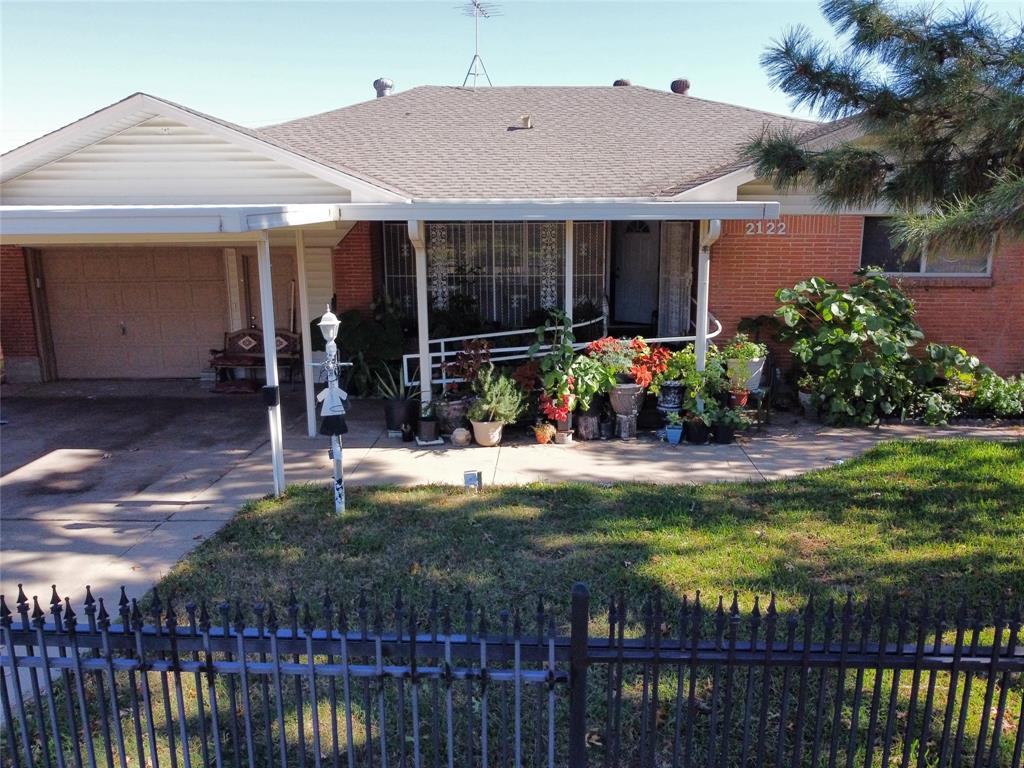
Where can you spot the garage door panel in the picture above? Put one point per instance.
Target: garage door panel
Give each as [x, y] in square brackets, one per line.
[173, 296]
[65, 297]
[99, 266]
[135, 266]
[103, 297]
[203, 268]
[170, 302]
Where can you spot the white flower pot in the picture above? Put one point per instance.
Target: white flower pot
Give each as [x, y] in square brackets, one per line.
[745, 374]
[487, 433]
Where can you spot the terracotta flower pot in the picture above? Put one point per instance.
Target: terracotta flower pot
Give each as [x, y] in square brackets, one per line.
[738, 398]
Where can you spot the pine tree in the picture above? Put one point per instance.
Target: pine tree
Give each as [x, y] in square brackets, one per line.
[928, 112]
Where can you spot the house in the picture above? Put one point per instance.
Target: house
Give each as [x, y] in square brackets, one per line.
[136, 236]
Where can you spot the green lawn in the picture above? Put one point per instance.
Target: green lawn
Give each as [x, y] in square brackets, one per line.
[943, 519]
[909, 519]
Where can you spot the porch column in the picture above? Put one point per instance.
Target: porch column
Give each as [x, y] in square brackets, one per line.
[270, 359]
[307, 342]
[570, 249]
[417, 236]
[709, 232]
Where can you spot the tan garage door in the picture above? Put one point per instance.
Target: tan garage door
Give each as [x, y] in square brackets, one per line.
[130, 312]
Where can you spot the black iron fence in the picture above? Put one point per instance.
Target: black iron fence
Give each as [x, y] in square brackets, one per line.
[662, 685]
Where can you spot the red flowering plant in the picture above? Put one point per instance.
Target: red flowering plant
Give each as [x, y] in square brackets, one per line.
[558, 396]
[630, 359]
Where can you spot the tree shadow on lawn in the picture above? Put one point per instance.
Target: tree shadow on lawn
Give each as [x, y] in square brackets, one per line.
[940, 519]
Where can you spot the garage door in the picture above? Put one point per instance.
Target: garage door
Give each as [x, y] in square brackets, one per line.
[134, 312]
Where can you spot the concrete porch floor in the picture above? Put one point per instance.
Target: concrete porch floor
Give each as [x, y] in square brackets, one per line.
[111, 483]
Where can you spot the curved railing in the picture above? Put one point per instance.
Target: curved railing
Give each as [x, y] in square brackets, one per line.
[449, 346]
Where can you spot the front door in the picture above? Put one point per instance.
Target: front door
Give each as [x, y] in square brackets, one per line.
[635, 271]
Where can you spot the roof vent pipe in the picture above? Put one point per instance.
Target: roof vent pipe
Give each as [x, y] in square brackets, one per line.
[383, 86]
[680, 86]
[622, 81]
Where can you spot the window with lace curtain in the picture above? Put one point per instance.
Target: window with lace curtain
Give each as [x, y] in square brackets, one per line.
[511, 272]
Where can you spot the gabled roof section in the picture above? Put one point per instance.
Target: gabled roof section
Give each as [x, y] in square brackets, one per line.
[440, 142]
[142, 109]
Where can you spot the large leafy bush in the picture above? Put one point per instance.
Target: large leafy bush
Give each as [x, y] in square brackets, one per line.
[855, 342]
[855, 348]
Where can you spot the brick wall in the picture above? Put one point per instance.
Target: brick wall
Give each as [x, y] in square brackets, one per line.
[17, 328]
[355, 277]
[985, 315]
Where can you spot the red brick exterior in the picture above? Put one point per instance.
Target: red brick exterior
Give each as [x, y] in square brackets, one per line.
[355, 266]
[17, 327]
[984, 315]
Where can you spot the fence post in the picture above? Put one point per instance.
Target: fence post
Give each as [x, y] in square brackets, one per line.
[578, 636]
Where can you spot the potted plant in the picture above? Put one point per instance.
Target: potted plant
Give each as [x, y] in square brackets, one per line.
[725, 423]
[426, 430]
[629, 366]
[399, 405]
[544, 432]
[698, 425]
[674, 428]
[461, 372]
[668, 383]
[744, 362]
[805, 394]
[499, 402]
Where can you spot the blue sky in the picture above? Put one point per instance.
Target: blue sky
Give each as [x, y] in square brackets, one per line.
[256, 63]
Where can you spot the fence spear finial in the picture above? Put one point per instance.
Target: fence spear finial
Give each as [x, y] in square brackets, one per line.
[103, 618]
[307, 618]
[54, 597]
[272, 623]
[55, 608]
[136, 614]
[734, 609]
[123, 602]
[70, 623]
[5, 612]
[38, 617]
[89, 601]
[22, 599]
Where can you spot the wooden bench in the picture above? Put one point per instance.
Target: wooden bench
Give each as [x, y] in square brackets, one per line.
[244, 350]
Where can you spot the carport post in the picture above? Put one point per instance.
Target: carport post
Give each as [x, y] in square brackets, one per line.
[709, 233]
[418, 239]
[307, 342]
[270, 360]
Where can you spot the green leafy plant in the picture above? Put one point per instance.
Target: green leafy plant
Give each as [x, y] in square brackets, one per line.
[674, 419]
[391, 385]
[498, 397]
[730, 417]
[1000, 397]
[938, 406]
[856, 344]
[744, 350]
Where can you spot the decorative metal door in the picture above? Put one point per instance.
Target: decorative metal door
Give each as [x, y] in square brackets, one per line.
[675, 278]
[636, 272]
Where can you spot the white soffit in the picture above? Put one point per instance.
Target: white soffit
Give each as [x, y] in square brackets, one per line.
[143, 150]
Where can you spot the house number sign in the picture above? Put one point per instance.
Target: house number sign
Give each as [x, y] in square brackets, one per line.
[765, 228]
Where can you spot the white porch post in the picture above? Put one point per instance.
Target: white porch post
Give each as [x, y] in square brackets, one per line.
[709, 232]
[270, 359]
[417, 237]
[570, 249]
[307, 342]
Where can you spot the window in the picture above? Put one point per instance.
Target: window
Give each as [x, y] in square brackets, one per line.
[876, 250]
[508, 271]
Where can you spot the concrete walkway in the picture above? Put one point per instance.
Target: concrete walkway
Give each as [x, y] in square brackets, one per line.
[108, 487]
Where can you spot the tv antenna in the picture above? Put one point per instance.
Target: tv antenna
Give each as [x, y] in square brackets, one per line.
[478, 9]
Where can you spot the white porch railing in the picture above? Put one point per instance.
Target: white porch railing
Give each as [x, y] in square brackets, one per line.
[450, 346]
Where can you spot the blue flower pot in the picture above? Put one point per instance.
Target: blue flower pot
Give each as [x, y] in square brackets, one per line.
[674, 435]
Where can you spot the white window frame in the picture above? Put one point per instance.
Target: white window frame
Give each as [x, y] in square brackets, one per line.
[922, 272]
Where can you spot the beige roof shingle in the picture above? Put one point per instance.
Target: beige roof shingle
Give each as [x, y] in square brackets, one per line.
[449, 142]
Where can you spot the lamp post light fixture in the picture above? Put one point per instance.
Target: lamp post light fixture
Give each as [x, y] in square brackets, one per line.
[333, 399]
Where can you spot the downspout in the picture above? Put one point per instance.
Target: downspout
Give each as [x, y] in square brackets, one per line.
[417, 237]
[710, 231]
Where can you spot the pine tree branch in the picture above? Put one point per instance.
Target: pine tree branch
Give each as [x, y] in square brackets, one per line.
[968, 223]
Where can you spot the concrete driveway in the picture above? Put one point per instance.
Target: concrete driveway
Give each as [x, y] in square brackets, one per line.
[114, 483]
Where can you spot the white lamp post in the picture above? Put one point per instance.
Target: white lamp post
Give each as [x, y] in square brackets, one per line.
[332, 412]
